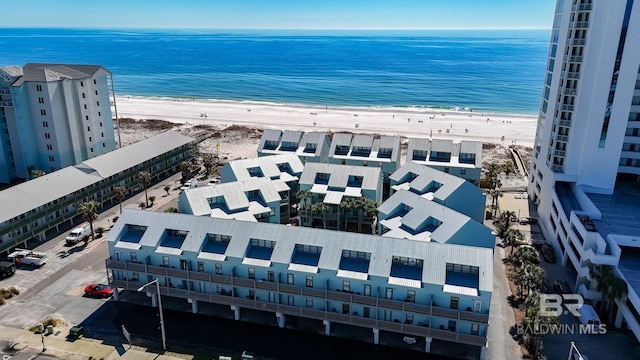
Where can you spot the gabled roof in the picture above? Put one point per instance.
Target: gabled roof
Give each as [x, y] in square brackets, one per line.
[365, 141]
[441, 145]
[270, 135]
[291, 136]
[42, 190]
[339, 175]
[268, 165]
[426, 175]
[435, 256]
[234, 194]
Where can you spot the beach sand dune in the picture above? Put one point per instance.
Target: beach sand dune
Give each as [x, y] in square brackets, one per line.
[506, 129]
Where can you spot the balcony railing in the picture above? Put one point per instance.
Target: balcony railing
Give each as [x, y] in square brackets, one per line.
[324, 294]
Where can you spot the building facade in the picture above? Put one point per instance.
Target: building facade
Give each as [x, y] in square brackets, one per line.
[586, 156]
[53, 116]
[48, 205]
[463, 159]
[428, 291]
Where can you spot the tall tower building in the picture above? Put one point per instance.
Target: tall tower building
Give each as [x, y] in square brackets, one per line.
[585, 174]
[53, 116]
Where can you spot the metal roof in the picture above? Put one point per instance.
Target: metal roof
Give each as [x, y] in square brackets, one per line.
[267, 164]
[441, 145]
[234, 194]
[119, 160]
[54, 72]
[365, 141]
[42, 190]
[426, 175]
[339, 175]
[269, 135]
[291, 136]
[435, 256]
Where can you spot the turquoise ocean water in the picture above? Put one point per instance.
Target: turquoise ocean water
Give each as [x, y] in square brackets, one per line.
[498, 71]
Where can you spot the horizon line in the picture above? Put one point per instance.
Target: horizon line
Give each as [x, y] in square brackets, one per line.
[285, 29]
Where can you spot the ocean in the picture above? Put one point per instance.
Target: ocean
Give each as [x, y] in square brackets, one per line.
[491, 71]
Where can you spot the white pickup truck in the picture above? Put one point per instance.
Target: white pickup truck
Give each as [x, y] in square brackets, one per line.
[78, 234]
[28, 257]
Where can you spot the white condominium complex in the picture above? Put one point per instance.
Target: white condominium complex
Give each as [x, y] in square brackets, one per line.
[53, 116]
[586, 162]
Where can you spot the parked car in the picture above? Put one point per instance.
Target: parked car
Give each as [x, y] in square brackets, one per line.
[99, 290]
[213, 181]
[561, 287]
[523, 220]
[548, 254]
[7, 269]
[190, 184]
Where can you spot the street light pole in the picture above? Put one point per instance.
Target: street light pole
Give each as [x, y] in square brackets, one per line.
[572, 348]
[164, 337]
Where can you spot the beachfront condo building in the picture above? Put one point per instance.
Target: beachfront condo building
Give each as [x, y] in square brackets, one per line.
[309, 147]
[367, 150]
[585, 173]
[445, 189]
[434, 296]
[48, 205]
[334, 196]
[53, 116]
[463, 159]
[407, 215]
[255, 199]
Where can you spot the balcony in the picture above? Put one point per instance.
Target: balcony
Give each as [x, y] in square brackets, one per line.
[581, 7]
[323, 294]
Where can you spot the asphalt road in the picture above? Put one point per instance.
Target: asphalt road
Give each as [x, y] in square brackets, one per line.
[233, 337]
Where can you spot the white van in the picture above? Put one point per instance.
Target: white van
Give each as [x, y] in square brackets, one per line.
[588, 316]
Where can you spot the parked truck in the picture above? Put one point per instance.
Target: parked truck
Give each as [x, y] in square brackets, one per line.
[78, 234]
[28, 257]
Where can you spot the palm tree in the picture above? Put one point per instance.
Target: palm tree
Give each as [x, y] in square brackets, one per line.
[320, 208]
[529, 277]
[186, 169]
[525, 255]
[152, 199]
[167, 188]
[535, 320]
[145, 180]
[513, 238]
[495, 194]
[208, 161]
[88, 210]
[508, 168]
[611, 287]
[369, 209]
[120, 190]
[503, 223]
[347, 206]
[303, 195]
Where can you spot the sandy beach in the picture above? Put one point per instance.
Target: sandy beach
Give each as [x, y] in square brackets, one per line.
[505, 129]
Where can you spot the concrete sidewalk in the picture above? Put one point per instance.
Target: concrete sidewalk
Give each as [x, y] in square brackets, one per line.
[80, 348]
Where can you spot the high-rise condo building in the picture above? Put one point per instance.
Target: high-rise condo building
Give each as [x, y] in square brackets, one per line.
[586, 159]
[53, 116]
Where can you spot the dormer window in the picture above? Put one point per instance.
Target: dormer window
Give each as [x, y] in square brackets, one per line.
[255, 172]
[174, 238]
[342, 149]
[310, 148]
[305, 258]
[322, 178]
[419, 155]
[385, 153]
[354, 264]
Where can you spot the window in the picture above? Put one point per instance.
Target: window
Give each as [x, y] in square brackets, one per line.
[463, 171]
[309, 281]
[38, 87]
[100, 121]
[96, 92]
[85, 106]
[367, 290]
[100, 114]
[346, 286]
[90, 139]
[453, 304]
[86, 117]
[218, 268]
[252, 273]
[290, 279]
[88, 128]
[309, 302]
[81, 83]
[271, 276]
[411, 296]
[134, 257]
[94, 82]
[83, 95]
[43, 112]
[91, 149]
[97, 102]
[41, 100]
[51, 158]
[389, 293]
[47, 136]
[200, 266]
[49, 147]
[165, 261]
[45, 124]
[135, 277]
[103, 145]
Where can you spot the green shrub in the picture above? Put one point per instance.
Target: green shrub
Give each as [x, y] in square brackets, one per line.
[14, 290]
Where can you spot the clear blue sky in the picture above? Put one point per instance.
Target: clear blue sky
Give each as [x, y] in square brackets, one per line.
[281, 14]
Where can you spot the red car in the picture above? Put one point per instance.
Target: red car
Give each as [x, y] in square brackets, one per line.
[99, 290]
